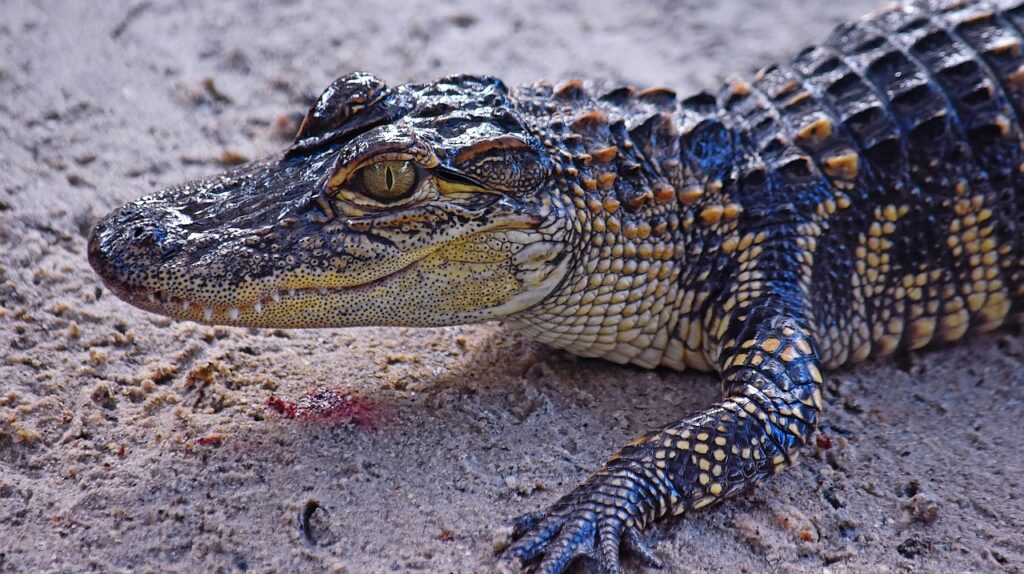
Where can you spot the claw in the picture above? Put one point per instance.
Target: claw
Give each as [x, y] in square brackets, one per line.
[524, 523]
[635, 543]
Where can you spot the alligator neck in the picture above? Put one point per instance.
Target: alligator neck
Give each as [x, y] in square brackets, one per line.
[644, 177]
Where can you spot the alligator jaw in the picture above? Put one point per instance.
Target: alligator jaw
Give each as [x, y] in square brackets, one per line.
[276, 307]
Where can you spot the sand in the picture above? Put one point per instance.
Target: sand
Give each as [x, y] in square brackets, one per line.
[129, 442]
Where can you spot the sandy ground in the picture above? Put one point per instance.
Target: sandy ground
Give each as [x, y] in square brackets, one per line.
[132, 443]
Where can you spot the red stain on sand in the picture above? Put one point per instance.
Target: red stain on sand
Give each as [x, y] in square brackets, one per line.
[281, 406]
[210, 440]
[327, 406]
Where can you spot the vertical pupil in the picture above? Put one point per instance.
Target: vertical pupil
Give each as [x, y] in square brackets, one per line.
[389, 178]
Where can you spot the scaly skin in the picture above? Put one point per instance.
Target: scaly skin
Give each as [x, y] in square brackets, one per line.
[861, 200]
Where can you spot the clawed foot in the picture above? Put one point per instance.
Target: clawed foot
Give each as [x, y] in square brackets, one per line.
[573, 528]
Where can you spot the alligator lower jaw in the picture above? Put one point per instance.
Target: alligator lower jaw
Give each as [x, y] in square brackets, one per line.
[219, 314]
[258, 312]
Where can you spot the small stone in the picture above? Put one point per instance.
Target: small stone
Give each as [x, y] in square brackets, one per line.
[914, 546]
[923, 508]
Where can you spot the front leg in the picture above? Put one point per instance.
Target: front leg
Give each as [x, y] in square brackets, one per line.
[772, 398]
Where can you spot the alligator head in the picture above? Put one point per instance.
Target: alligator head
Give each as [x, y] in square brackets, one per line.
[419, 205]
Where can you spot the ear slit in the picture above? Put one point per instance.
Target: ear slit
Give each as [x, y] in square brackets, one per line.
[456, 177]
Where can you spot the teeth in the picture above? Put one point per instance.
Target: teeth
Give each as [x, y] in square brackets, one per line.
[151, 297]
[185, 305]
[291, 292]
[233, 313]
[208, 313]
[323, 290]
[258, 307]
[276, 297]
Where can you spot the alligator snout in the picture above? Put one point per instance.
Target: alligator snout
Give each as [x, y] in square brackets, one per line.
[126, 245]
[206, 249]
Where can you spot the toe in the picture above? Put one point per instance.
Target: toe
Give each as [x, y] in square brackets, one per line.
[536, 539]
[576, 539]
[608, 539]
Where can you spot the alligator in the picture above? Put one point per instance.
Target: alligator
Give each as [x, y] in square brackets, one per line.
[860, 200]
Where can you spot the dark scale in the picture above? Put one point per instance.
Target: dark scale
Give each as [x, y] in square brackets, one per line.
[862, 199]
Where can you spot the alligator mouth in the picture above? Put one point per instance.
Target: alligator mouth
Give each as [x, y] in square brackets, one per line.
[259, 312]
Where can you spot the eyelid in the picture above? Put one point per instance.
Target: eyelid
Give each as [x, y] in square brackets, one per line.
[390, 156]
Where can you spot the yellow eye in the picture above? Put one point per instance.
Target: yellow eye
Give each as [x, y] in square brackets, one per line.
[389, 180]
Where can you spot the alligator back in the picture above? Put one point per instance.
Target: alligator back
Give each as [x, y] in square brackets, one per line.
[897, 146]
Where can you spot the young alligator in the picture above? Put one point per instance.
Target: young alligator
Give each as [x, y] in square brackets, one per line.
[861, 200]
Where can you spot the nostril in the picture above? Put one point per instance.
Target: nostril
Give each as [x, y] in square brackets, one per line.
[142, 236]
[147, 234]
[129, 244]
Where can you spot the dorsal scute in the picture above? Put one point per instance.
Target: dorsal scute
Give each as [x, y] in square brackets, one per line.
[345, 97]
[351, 104]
